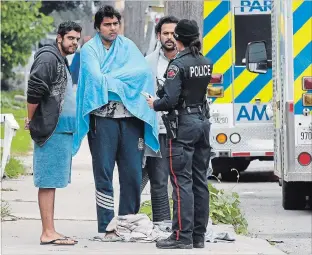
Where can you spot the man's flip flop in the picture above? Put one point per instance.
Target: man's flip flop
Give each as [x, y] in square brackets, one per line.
[56, 242]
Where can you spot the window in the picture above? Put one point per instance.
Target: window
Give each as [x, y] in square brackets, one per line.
[250, 28]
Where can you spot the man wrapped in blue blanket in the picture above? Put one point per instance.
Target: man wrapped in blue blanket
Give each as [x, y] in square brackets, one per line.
[114, 114]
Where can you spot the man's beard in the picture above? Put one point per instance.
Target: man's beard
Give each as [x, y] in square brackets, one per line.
[165, 47]
[105, 38]
[66, 49]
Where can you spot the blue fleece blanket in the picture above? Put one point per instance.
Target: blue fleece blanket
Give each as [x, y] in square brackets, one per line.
[117, 74]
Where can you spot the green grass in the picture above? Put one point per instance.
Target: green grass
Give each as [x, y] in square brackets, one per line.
[146, 208]
[21, 143]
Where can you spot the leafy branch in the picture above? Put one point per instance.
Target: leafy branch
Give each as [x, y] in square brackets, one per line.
[22, 25]
[225, 208]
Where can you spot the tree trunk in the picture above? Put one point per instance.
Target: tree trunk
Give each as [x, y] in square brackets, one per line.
[87, 21]
[187, 10]
[134, 21]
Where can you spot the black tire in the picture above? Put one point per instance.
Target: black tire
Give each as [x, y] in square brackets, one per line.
[293, 197]
[224, 166]
[220, 165]
[231, 176]
[241, 164]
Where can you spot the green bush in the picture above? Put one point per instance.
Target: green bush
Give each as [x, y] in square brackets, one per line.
[14, 168]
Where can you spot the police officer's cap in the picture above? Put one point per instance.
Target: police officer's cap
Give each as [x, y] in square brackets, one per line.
[186, 30]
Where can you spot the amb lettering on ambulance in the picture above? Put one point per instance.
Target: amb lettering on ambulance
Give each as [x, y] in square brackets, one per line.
[241, 130]
[253, 115]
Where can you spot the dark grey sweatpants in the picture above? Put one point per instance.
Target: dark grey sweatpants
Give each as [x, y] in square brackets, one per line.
[157, 171]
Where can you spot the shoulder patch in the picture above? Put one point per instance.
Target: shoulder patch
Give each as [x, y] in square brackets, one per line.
[172, 71]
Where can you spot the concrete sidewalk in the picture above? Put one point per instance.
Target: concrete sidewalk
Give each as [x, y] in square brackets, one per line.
[76, 216]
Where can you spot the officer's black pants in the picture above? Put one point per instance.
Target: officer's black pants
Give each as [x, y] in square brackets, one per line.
[189, 158]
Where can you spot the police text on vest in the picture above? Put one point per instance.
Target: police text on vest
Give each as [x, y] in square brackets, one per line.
[199, 71]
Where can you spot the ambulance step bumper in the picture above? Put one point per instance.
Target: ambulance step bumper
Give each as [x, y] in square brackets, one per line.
[249, 154]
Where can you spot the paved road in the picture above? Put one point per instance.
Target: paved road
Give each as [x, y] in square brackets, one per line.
[261, 202]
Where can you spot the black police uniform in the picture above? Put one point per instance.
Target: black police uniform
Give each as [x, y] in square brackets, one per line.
[184, 93]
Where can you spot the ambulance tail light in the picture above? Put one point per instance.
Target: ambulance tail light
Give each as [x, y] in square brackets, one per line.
[217, 91]
[307, 99]
[221, 138]
[216, 78]
[304, 159]
[307, 83]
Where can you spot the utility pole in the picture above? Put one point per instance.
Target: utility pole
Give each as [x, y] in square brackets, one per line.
[134, 21]
[186, 10]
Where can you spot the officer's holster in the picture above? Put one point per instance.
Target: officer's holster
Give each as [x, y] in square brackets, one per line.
[171, 124]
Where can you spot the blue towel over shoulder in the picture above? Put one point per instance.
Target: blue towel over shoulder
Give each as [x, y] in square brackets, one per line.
[120, 74]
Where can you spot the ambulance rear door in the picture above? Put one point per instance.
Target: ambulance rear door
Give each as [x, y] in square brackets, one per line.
[251, 92]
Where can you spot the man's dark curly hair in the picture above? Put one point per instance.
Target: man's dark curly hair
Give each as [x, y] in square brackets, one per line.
[105, 11]
[68, 26]
[165, 20]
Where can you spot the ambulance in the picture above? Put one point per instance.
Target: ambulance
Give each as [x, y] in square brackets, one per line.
[241, 129]
[292, 95]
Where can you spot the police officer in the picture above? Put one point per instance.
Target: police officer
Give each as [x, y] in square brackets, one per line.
[188, 127]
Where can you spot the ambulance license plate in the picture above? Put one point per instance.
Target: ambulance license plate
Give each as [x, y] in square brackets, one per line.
[304, 136]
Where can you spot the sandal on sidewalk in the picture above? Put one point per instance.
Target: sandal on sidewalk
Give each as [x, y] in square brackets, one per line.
[59, 241]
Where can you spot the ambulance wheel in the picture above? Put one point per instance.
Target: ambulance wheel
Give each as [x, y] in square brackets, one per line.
[241, 164]
[220, 165]
[230, 176]
[224, 166]
[293, 197]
